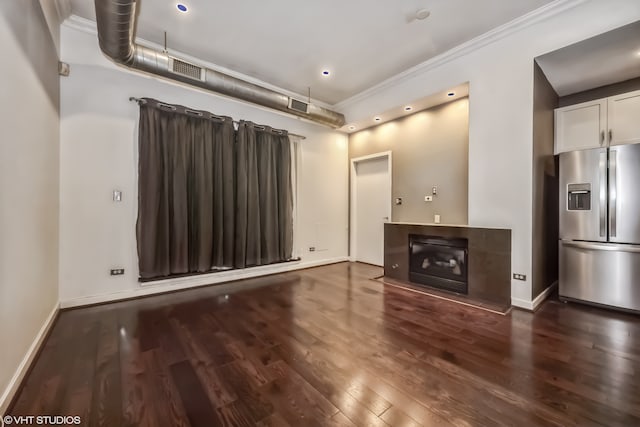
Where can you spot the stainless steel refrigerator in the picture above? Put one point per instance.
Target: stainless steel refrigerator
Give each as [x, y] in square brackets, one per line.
[600, 226]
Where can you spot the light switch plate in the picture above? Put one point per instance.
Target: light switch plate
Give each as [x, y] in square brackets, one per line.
[117, 195]
[520, 276]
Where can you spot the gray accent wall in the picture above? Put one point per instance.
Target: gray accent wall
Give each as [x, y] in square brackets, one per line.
[29, 190]
[545, 186]
[429, 148]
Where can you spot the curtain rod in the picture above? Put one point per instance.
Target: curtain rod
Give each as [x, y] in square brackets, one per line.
[235, 122]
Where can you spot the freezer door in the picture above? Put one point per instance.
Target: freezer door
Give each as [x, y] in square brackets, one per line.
[583, 195]
[624, 194]
[601, 273]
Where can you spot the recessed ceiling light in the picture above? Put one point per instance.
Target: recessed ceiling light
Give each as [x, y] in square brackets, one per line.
[377, 119]
[182, 8]
[422, 14]
[326, 73]
[451, 94]
[408, 108]
[352, 128]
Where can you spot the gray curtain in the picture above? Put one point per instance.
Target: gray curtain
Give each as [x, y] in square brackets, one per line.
[264, 196]
[210, 197]
[186, 199]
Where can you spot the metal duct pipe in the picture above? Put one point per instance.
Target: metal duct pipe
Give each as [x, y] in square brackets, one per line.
[116, 20]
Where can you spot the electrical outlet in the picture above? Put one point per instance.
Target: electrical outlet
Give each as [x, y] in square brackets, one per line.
[312, 249]
[428, 198]
[520, 276]
[117, 271]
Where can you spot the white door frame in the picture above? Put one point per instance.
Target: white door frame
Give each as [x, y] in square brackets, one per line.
[353, 222]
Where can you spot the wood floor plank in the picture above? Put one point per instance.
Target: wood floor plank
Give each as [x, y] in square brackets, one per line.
[78, 399]
[107, 403]
[256, 403]
[274, 420]
[219, 394]
[394, 417]
[297, 400]
[235, 414]
[165, 398]
[328, 346]
[195, 401]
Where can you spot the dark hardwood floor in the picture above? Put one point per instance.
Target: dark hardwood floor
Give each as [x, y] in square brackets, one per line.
[328, 346]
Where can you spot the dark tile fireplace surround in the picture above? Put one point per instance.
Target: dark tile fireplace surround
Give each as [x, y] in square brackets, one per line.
[472, 263]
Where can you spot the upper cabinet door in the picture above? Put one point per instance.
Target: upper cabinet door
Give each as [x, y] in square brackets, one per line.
[581, 126]
[624, 118]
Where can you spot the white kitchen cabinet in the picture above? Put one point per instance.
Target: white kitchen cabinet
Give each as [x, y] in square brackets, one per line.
[600, 123]
[581, 126]
[624, 118]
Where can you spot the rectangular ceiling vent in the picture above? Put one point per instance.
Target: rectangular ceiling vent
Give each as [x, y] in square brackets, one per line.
[186, 69]
[300, 106]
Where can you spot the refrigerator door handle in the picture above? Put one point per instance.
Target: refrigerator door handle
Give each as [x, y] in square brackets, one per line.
[601, 247]
[613, 196]
[603, 194]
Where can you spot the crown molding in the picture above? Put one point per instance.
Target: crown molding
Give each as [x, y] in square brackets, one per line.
[542, 13]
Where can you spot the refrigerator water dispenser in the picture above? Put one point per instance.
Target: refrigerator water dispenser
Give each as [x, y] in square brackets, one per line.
[579, 197]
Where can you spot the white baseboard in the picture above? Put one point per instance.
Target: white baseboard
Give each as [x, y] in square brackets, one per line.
[543, 295]
[27, 360]
[535, 303]
[522, 303]
[181, 283]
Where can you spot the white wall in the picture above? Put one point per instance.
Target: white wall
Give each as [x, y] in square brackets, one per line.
[51, 12]
[29, 151]
[98, 155]
[501, 104]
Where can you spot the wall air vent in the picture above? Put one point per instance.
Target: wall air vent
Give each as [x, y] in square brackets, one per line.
[299, 106]
[178, 66]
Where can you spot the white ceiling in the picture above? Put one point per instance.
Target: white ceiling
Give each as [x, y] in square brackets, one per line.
[608, 58]
[287, 43]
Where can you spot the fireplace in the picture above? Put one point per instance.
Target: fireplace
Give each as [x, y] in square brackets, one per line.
[439, 262]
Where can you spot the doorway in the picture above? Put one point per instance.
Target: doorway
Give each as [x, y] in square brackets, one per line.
[370, 206]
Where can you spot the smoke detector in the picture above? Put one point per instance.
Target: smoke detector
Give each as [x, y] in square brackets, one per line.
[422, 14]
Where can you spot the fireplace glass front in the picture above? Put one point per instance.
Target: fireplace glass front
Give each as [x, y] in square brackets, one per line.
[439, 262]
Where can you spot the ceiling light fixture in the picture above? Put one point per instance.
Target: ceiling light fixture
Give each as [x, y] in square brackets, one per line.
[408, 108]
[182, 8]
[422, 14]
[352, 128]
[326, 73]
[451, 94]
